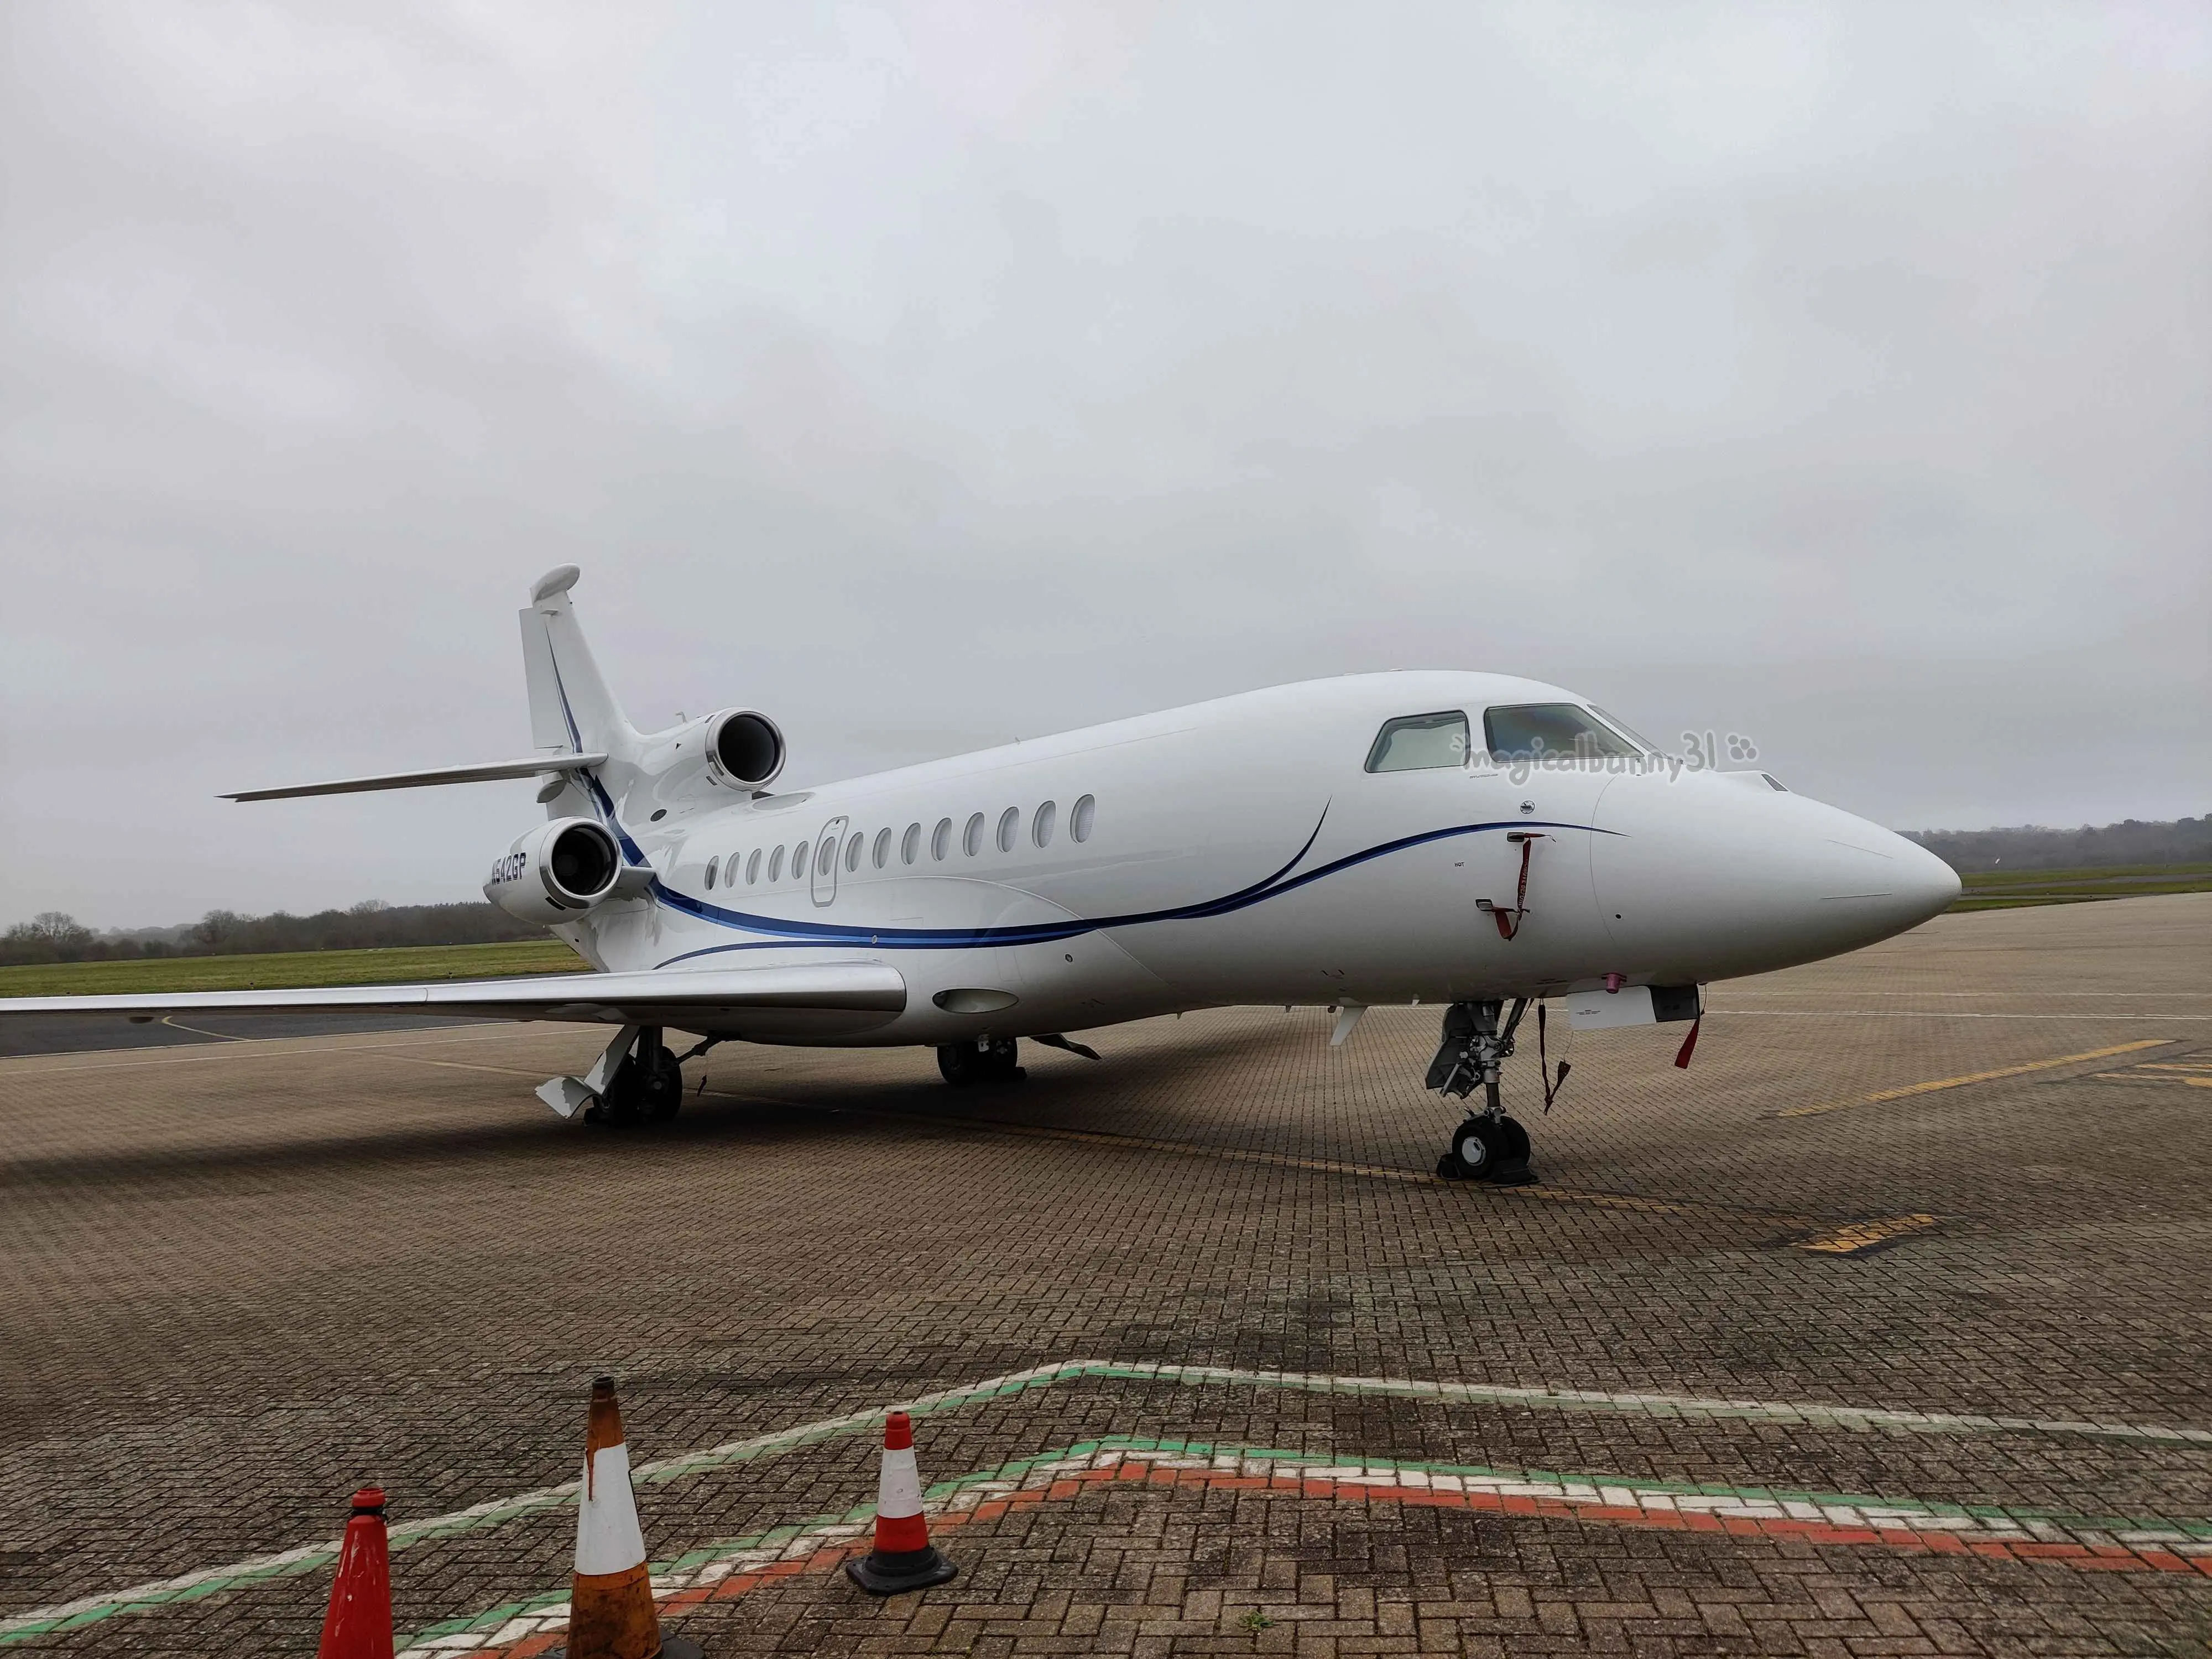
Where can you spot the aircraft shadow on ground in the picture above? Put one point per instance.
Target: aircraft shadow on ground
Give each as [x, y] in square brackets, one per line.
[1051, 1094]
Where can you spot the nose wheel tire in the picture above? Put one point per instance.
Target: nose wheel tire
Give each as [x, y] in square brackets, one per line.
[995, 1061]
[1495, 1149]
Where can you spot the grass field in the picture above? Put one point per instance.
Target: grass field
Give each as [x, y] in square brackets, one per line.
[1985, 890]
[1998, 889]
[73, 979]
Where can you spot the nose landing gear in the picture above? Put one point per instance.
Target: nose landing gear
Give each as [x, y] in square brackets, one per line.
[1489, 1145]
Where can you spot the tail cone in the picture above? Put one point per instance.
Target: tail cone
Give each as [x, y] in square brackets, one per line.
[904, 1558]
[359, 1623]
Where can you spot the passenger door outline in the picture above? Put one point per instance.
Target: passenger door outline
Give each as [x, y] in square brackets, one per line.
[827, 848]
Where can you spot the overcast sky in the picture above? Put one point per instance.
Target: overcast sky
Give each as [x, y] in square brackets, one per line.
[938, 374]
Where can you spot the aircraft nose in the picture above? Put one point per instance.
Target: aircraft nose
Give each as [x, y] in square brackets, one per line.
[1925, 885]
[1728, 873]
[1876, 874]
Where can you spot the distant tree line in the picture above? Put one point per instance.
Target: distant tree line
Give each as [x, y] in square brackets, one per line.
[2184, 840]
[54, 936]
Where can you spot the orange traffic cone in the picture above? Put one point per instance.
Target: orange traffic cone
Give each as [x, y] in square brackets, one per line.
[611, 1612]
[359, 1624]
[904, 1558]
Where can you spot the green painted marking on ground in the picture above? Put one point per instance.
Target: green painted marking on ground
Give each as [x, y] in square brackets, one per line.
[1084, 1450]
[496, 1512]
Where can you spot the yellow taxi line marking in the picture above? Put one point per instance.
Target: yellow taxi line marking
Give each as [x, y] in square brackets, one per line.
[2171, 1066]
[1858, 1238]
[2133, 1076]
[1884, 1228]
[1973, 1077]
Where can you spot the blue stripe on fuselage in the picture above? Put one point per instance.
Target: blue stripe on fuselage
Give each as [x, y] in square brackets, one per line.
[783, 934]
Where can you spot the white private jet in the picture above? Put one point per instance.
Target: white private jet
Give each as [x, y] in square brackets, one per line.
[1470, 840]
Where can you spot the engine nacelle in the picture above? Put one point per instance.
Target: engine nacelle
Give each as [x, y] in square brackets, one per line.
[745, 748]
[556, 872]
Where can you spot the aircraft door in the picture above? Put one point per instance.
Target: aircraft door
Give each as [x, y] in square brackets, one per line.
[825, 860]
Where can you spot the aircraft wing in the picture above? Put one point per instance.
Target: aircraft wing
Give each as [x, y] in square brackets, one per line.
[480, 772]
[669, 997]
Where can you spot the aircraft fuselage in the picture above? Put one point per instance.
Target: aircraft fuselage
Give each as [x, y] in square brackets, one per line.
[1240, 852]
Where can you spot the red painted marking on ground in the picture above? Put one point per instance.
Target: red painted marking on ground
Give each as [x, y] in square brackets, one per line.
[2104, 1558]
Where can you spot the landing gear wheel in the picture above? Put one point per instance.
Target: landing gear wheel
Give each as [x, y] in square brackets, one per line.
[1473, 1152]
[1511, 1168]
[998, 1060]
[647, 1087]
[957, 1064]
[1490, 1149]
[660, 1083]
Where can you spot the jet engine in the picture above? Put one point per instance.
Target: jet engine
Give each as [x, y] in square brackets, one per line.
[745, 748]
[556, 872]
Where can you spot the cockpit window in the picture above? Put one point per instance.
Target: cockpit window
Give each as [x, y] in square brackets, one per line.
[1414, 743]
[1526, 731]
[1625, 729]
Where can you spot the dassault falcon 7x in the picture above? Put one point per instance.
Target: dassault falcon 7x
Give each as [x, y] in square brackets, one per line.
[1469, 840]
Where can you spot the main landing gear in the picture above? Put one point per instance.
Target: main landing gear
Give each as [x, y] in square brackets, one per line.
[636, 1080]
[993, 1059]
[647, 1087]
[1489, 1145]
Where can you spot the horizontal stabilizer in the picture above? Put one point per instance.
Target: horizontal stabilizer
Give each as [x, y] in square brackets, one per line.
[665, 997]
[482, 772]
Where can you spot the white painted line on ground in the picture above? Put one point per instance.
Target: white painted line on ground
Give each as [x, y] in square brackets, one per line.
[186, 1053]
[691, 1580]
[493, 1511]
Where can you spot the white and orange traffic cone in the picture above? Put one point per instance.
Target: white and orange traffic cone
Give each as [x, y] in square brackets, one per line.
[611, 1612]
[904, 1558]
[359, 1623]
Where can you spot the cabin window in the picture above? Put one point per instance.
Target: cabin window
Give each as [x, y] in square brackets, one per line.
[775, 864]
[1419, 743]
[713, 864]
[882, 854]
[1526, 731]
[853, 851]
[1041, 825]
[940, 840]
[1080, 821]
[971, 838]
[798, 860]
[910, 844]
[1010, 827]
[753, 867]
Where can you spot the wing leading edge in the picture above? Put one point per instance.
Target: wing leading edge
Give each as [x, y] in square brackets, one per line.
[863, 994]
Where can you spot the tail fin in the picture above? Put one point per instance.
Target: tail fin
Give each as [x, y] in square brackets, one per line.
[571, 709]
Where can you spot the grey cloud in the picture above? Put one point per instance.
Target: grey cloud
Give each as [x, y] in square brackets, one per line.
[1835, 374]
